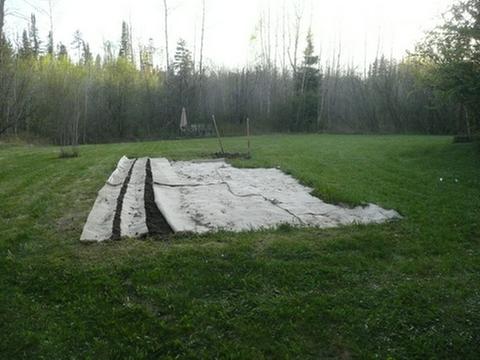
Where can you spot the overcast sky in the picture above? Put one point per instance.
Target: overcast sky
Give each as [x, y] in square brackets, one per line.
[359, 26]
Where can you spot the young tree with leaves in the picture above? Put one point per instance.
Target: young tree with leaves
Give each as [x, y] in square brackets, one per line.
[451, 55]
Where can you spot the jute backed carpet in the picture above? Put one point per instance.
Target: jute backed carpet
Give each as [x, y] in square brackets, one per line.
[157, 196]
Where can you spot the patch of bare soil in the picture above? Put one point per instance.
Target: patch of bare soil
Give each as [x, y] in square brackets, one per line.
[242, 156]
[116, 230]
[156, 223]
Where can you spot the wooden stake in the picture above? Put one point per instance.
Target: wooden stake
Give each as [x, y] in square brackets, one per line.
[218, 134]
[248, 135]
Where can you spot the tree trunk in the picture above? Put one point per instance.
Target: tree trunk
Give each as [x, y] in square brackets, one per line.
[50, 17]
[85, 115]
[166, 37]
[463, 127]
[200, 69]
[467, 124]
[5, 128]
[2, 17]
[294, 60]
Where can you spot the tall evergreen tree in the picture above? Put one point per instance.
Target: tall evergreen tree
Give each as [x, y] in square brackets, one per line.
[87, 56]
[183, 67]
[62, 51]
[125, 51]
[307, 82]
[308, 79]
[50, 44]
[34, 36]
[26, 49]
[78, 44]
[183, 60]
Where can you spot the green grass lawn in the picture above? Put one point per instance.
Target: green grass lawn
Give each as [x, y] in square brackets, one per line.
[403, 290]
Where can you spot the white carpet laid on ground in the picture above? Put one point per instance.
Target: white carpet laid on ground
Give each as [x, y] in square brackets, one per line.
[159, 196]
[100, 221]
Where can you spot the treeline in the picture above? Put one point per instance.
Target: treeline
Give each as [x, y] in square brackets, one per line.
[73, 98]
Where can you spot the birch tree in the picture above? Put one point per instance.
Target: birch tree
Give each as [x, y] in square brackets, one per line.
[202, 39]
[167, 54]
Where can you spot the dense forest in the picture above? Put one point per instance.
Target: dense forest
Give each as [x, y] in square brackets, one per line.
[75, 97]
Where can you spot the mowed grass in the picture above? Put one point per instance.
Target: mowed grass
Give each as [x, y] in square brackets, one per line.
[402, 290]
